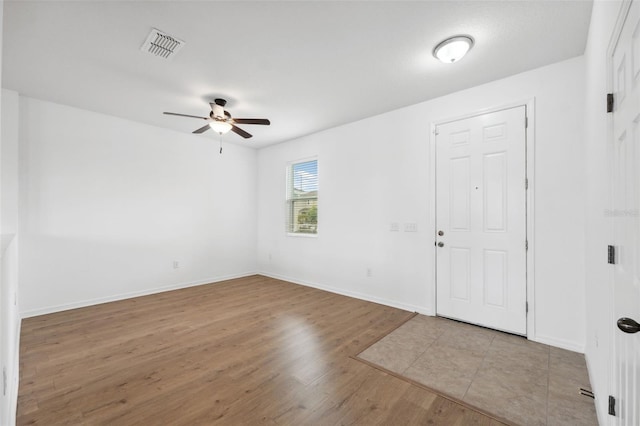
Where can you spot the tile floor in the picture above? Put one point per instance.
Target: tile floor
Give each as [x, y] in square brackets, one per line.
[521, 381]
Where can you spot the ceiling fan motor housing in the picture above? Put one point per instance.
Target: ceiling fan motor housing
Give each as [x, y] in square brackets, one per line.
[218, 112]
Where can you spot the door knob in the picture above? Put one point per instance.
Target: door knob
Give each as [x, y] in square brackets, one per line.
[628, 325]
[441, 233]
[440, 244]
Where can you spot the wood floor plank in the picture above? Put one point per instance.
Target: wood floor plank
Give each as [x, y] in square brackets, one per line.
[254, 350]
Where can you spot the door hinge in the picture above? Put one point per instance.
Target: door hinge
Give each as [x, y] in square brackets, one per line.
[526, 307]
[611, 255]
[526, 183]
[526, 244]
[526, 122]
[612, 405]
[609, 102]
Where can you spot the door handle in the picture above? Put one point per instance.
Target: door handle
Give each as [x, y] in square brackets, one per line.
[628, 325]
[440, 244]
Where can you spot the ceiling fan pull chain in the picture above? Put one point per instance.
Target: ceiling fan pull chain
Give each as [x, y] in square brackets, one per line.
[220, 143]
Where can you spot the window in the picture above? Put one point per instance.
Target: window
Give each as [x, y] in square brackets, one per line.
[302, 197]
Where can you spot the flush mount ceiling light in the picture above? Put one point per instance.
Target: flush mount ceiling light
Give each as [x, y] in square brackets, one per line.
[453, 49]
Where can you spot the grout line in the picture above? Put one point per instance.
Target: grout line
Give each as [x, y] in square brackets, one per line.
[484, 358]
[417, 358]
[423, 352]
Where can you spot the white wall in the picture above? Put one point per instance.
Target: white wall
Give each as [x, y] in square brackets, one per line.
[598, 227]
[107, 205]
[376, 171]
[9, 157]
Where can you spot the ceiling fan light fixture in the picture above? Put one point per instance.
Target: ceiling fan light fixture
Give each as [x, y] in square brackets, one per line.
[453, 49]
[221, 127]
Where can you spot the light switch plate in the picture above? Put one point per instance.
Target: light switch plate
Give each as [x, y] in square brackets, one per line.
[411, 227]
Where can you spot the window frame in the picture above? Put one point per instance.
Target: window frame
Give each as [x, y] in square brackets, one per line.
[289, 216]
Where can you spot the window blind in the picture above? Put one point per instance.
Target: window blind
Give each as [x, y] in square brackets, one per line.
[302, 197]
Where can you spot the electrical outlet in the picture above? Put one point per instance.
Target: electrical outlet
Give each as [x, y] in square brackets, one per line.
[369, 272]
[176, 264]
[394, 227]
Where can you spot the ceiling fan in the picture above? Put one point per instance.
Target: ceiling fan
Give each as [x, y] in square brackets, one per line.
[221, 121]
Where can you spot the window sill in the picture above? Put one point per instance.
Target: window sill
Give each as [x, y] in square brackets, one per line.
[301, 234]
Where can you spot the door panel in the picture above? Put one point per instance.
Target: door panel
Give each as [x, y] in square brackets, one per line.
[625, 181]
[481, 209]
[460, 270]
[495, 194]
[495, 274]
[460, 202]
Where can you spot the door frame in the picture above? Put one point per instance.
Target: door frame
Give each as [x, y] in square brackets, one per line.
[529, 105]
[616, 32]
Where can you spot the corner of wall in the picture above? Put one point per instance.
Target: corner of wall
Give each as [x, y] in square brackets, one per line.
[15, 382]
[10, 329]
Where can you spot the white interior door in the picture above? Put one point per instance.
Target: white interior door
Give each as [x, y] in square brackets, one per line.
[481, 220]
[626, 220]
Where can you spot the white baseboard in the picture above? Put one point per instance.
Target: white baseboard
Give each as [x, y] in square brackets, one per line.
[559, 343]
[551, 341]
[128, 295]
[356, 295]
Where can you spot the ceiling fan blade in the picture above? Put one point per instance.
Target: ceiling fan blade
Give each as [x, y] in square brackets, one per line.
[241, 132]
[202, 129]
[185, 115]
[263, 121]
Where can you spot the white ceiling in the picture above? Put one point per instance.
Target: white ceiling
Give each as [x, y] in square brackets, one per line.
[305, 65]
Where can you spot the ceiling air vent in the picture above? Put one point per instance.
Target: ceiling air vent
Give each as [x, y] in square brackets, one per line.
[162, 44]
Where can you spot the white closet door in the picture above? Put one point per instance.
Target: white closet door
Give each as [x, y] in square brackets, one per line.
[625, 181]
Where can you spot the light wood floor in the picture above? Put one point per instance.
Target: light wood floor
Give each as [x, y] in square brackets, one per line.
[247, 351]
